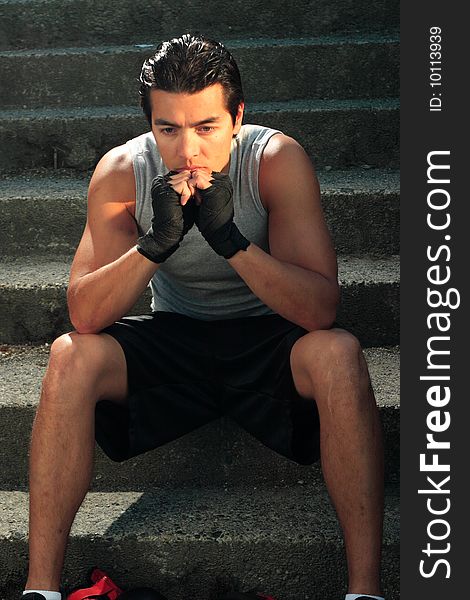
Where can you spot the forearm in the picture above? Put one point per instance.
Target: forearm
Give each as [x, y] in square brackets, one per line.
[100, 298]
[297, 294]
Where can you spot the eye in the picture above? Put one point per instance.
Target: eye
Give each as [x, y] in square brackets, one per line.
[206, 129]
[167, 130]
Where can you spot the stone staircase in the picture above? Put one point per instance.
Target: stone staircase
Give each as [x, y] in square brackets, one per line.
[214, 510]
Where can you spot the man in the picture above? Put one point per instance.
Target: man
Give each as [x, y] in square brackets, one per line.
[225, 222]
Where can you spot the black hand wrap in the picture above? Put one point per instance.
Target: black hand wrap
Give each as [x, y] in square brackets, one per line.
[170, 221]
[214, 217]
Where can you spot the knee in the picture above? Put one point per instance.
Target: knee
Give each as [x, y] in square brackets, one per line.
[72, 361]
[329, 357]
[344, 351]
[334, 346]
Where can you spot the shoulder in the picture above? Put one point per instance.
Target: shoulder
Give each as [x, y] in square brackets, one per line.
[281, 146]
[284, 162]
[282, 151]
[113, 177]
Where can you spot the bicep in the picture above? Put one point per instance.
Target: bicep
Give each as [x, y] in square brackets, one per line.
[105, 239]
[298, 233]
[110, 229]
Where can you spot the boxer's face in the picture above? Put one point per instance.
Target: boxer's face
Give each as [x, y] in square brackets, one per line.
[194, 130]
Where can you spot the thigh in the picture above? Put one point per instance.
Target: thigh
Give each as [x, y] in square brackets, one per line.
[171, 382]
[115, 386]
[162, 348]
[259, 391]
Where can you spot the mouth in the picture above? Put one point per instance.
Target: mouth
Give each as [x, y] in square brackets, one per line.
[191, 168]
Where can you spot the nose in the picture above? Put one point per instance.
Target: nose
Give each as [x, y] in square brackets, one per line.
[188, 145]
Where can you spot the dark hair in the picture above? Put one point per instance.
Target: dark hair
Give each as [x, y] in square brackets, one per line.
[189, 64]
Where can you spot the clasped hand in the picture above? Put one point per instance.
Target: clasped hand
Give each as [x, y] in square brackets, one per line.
[187, 183]
[180, 199]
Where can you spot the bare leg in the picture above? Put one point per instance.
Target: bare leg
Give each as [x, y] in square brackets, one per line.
[329, 366]
[82, 369]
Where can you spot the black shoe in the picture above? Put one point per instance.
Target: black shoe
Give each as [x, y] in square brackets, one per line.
[142, 594]
[251, 595]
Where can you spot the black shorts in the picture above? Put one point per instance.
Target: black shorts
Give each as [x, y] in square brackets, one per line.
[185, 372]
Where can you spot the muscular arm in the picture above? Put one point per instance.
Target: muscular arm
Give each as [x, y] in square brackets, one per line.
[108, 274]
[299, 279]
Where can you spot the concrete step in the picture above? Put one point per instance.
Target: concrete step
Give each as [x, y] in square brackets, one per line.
[335, 133]
[33, 304]
[362, 209]
[272, 69]
[35, 24]
[229, 454]
[200, 543]
[46, 212]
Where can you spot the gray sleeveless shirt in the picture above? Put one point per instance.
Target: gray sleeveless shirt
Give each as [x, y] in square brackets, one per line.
[195, 281]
